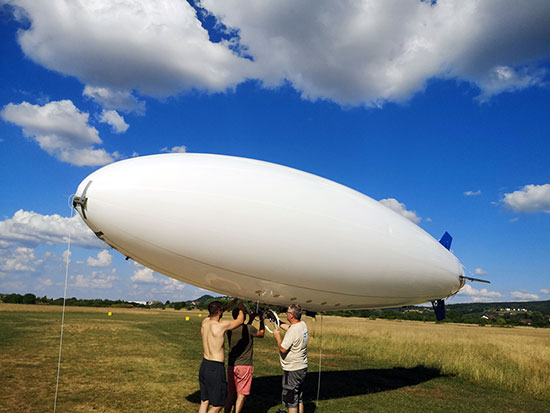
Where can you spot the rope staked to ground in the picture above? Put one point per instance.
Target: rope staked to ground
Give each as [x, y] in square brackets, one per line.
[67, 260]
[320, 358]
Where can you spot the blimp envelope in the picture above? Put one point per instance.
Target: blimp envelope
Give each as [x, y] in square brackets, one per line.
[261, 231]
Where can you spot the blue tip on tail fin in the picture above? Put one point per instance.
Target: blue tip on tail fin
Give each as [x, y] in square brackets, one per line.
[446, 240]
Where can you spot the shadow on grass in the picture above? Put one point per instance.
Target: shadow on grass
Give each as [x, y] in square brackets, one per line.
[266, 390]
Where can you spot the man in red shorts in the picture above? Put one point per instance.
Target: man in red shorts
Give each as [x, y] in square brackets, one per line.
[239, 366]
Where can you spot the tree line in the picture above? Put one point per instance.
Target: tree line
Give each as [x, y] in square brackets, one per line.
[534, 313]
[73, 301]
[482, 314]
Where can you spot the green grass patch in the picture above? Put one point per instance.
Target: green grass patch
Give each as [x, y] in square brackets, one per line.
[148, 361]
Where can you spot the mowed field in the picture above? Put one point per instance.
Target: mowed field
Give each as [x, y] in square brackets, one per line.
[148, 361]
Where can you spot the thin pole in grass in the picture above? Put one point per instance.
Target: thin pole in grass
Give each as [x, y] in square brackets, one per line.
[67, 259]
[320, 357]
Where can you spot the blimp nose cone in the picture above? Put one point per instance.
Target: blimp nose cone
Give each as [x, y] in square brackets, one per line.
[89, 196]
[80, 200]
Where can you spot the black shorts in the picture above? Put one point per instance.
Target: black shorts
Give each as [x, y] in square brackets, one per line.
[293, 387]
[212, 382]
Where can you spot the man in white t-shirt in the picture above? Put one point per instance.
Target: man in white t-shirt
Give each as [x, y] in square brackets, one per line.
[293, 356]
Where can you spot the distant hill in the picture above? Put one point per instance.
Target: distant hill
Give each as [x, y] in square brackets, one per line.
[201, 299]
[531, 306]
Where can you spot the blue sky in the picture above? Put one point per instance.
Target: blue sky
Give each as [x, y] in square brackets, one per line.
[439, 110]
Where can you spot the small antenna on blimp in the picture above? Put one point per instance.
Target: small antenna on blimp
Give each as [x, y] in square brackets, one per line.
[463, 277]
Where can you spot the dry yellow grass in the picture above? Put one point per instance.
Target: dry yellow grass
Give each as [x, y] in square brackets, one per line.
[147, 360]
[513, 358]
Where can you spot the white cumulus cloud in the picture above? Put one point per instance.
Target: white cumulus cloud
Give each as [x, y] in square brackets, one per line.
[44, 283]
[480, 271]
[529, 199]
[104, 259]
[524, 296]
[472, 193]
[401, 209]
[175, 149]
[158, 48]
[60, 129]
[112, 118]
[370, 52]
[146, 276]
[122, 100]
[506, 78]
[479, 295]
[96, 279]
[171, 285]
[29, 228]
[143, 275]
[351, 52]
[21, 259]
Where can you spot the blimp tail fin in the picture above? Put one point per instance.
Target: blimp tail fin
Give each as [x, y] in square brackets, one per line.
[439, 305]
[446, 240]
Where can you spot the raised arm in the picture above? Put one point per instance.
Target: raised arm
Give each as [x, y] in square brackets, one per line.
[261, 331]
[284, 326]
[229, 305]
[277, 336]
[230, 325]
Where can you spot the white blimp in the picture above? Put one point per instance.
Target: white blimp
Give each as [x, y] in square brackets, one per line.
[265, 232]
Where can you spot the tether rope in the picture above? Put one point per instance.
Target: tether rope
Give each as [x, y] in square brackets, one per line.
[320, 359]
[67, 260]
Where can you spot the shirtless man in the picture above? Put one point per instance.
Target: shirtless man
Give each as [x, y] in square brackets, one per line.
[212, 380]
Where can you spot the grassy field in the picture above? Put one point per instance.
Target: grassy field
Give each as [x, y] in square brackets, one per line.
[148, 361]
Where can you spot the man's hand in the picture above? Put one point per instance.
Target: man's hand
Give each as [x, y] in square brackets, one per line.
[240, 318]
[229, 305]
[277, 336]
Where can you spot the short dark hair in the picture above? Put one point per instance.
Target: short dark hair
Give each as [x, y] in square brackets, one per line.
[296, 311]
[214, 308]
